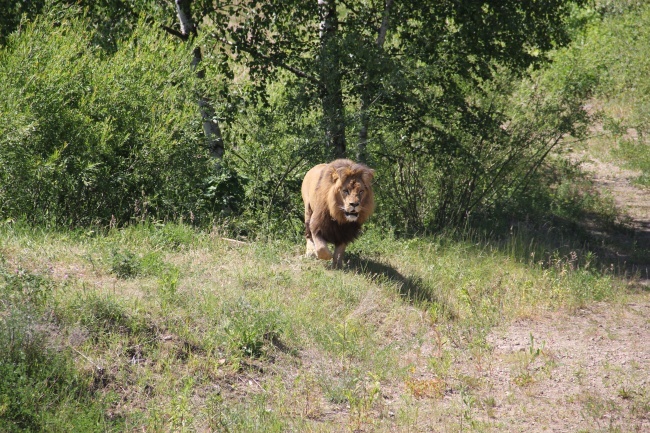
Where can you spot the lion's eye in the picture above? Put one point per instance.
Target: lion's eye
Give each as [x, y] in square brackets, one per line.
[361, 192]
[346, 192]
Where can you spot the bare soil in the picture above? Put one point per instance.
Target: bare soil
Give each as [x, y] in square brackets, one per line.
[586, 371]
[571, 371]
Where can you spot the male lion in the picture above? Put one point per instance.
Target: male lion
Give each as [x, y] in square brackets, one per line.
[338, 199]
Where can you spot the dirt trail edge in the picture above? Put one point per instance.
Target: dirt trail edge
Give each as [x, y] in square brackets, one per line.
[634, 203]
[584, 372]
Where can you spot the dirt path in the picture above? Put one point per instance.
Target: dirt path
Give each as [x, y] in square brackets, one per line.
[584, 371]
[618, 181]
[588, 371]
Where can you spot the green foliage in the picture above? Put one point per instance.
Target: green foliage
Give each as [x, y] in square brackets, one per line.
[100, 123]
[93, 137]
[13, 12]
[21, 285]
[495, 150]
[250, 327]
[125, 264]
[275, 147]
[112, 18]
[612, 54]
[40, 388]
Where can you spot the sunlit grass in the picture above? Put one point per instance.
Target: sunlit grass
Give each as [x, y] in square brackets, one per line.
[181, 329]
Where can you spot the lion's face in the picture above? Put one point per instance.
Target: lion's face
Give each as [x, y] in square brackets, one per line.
[352, 193]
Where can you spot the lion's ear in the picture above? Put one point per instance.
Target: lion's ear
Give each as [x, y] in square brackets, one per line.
[368, 175]
[333, 174]
[342, 173]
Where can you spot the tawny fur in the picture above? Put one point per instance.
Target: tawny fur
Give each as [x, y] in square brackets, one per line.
[338, 199]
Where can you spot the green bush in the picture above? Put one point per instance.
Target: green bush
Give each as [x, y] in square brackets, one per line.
[88, 136]
[125, 264]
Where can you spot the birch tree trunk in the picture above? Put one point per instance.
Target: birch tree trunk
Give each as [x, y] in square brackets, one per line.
[210, 124]
[331, 92]
[362, 154]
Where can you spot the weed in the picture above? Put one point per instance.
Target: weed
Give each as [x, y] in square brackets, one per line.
[22, 285]
[361, 399]
[426, 388]
[250, 327]
[168, 288]
[125, 264]
[625, 393]
[526, 373]
[175, 237]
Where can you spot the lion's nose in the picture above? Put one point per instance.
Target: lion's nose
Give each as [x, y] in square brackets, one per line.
[354, 204]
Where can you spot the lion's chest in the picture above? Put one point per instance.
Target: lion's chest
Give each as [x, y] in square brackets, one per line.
[334, 232]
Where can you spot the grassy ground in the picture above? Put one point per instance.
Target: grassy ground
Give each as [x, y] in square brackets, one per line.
[163, 328]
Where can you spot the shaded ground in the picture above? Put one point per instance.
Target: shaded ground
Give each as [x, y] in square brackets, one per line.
[630, 248]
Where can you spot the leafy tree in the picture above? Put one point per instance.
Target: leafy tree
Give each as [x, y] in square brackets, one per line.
[431, 89]
[417, 81]
[112, 19]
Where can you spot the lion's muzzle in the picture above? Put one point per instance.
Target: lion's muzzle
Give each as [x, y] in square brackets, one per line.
[351, 215]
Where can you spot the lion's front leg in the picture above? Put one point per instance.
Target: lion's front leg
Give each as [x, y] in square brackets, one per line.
[310, 250]
[339, 252]
[320, 246]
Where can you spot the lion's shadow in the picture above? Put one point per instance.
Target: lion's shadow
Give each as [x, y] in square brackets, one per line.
[412, 289]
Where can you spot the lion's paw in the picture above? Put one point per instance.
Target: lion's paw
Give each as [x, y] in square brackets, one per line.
[324, 253]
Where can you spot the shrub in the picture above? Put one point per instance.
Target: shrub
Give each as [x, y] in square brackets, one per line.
[88, 136]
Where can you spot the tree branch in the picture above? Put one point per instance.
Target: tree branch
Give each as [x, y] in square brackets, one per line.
[257, 54]
[381, 37]
[183, 10]
[174, 32]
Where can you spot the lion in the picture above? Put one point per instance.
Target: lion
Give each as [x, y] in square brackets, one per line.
[338, 200]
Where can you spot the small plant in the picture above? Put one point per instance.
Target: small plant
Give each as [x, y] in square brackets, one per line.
[174, 236]
[625, 393]
[25, 285]
[125, 264]
[168, 287]
[250, 327]
[525, 376]
[361, 400]
[426, 388]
